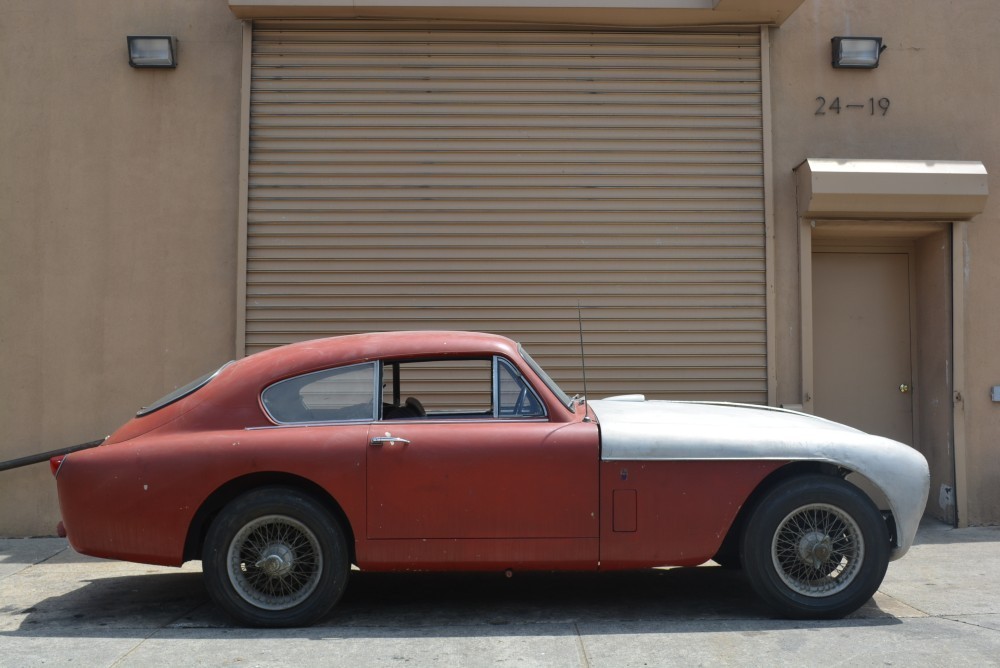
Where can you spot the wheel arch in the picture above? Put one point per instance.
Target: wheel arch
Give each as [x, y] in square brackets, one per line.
[236, 487]
[730, 544]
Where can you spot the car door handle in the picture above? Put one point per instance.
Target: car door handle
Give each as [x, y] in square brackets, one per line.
[391, 440]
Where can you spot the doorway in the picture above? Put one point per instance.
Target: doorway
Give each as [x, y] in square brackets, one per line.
[862, 341]
[882, 343]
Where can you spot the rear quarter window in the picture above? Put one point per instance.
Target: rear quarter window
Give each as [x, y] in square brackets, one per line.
[331, 395]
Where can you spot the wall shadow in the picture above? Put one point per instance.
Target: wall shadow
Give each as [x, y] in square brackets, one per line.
[935, 532]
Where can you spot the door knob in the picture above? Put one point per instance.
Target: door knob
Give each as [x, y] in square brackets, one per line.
[904, 388]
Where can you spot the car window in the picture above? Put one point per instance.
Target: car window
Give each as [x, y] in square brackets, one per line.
[181, 392]
[332, 395]
[516, 398]
[457, 388]
[437, 388]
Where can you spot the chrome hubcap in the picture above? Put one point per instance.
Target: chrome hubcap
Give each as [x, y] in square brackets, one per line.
[277, 562]
[815, 549]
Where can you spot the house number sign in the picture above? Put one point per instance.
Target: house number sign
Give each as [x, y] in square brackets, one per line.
[871, 107]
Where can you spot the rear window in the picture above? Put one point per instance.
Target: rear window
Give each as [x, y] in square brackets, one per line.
[181, 392]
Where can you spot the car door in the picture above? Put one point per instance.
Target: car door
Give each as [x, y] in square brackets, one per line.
[500, 475]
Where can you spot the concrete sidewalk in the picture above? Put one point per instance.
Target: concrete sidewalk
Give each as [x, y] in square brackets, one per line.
[940, 605]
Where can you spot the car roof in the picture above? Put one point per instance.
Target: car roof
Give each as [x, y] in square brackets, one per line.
[231, 399]
[296, 358]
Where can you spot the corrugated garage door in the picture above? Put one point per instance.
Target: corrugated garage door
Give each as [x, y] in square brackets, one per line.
[493, 180]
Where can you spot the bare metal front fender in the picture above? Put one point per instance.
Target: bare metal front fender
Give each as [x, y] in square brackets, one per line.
[693, 431]
[900, 472]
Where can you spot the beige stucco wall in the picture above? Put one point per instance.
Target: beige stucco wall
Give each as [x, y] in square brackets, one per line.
[119, 203]
[940, 74]
[118, 218]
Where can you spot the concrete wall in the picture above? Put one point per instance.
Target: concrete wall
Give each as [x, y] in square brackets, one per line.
[118, 219]
[940, 74]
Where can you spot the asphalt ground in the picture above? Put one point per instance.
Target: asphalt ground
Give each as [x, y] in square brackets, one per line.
[938, 606]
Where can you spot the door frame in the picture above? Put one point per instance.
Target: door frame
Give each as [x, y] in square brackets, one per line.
[958, 266]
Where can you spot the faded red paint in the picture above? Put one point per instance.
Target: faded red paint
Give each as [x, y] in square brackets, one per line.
[683, 509]
[462, 495]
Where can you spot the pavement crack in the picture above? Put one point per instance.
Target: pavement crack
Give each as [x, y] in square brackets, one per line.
[968, 622]
[29, 565]
[584, 659]
[123, 657]
[904, 603]
[119, 661]
[175, 623]
[51, 556]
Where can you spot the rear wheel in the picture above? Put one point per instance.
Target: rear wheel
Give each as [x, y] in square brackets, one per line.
[815, 547]
[275, 557]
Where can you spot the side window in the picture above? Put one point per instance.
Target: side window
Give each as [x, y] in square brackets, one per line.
[450, 388]
[332, 395]
[457, 389]
[515, 398]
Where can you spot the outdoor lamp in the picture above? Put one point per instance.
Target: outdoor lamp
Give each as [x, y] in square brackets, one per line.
[857, 52]
[152, 51]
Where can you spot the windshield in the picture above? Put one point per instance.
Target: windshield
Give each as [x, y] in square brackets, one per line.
[551, 384]
[181, 392]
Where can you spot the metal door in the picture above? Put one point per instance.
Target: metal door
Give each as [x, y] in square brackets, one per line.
[861, 334]
[462, 479]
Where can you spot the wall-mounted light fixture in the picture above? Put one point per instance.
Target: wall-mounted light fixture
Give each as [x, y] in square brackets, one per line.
[152, 51]
[857, 52]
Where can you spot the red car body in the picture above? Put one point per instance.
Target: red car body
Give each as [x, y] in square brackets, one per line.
[463, 496]
[491, 493]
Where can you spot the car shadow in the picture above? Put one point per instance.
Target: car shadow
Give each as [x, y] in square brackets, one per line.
[432, 605]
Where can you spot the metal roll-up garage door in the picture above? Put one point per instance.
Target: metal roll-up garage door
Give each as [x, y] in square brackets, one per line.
[457, 178]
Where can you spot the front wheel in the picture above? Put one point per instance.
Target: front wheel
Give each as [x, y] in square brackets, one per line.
[815, 547]
[275, 557]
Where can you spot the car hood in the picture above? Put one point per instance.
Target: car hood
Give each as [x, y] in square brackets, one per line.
[632, 428]
[639, 430]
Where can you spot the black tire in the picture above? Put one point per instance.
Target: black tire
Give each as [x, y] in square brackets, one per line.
[815, 547]
[728, 556]
[275, 557]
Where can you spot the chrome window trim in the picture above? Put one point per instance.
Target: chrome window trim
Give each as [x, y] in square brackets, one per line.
[442, 421]
[546, 379]
[296, 425]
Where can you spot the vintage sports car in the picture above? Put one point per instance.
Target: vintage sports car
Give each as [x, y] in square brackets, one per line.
[454, 451]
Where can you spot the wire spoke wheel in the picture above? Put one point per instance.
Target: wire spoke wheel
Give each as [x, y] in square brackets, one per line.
[817, 550]
[815, 547]
[275, 557]
[274, 562]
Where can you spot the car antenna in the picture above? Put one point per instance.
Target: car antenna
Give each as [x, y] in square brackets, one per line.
[583, 357]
